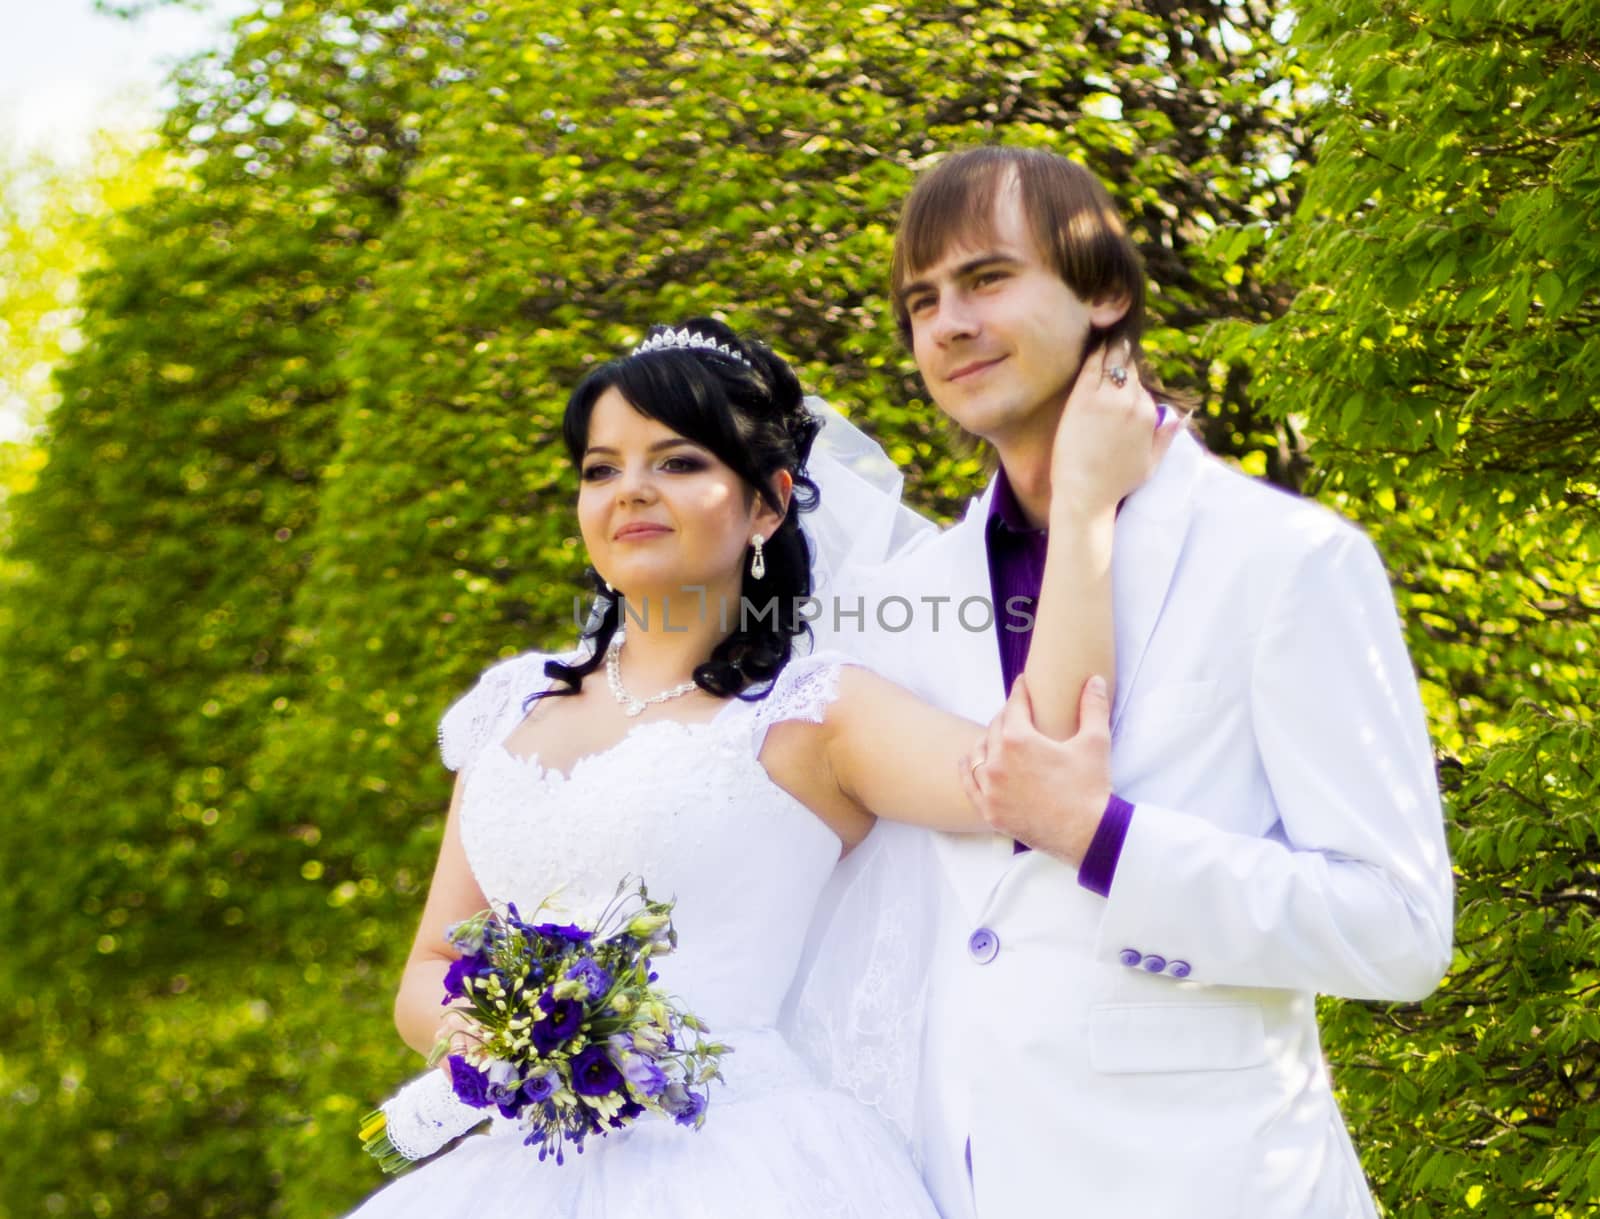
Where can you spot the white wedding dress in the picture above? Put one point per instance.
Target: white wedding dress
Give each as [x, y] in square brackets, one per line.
[688, 808]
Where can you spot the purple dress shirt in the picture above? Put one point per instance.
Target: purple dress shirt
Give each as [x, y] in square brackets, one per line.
[1016, 570]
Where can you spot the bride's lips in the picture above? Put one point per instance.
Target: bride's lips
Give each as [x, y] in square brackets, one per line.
[638, 532]
[977, 366]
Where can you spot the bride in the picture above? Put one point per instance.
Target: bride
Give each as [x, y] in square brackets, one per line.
[686, 741]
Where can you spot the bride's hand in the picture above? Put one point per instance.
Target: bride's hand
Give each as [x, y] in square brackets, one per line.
[458, 1033]
[1108, 441]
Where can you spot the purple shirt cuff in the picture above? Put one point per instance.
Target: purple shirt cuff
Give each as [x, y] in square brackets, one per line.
[1099, 866]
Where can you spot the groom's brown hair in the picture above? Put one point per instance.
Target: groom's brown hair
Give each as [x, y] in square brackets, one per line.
[1074, 223]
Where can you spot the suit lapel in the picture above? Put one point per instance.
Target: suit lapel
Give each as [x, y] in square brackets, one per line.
[970, 670]
[978, 654]
[1150, 534]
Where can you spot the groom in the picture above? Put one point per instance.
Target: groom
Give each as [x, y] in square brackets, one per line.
[1122, 1021]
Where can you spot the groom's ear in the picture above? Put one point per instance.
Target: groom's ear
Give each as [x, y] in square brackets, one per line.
[1107, 311]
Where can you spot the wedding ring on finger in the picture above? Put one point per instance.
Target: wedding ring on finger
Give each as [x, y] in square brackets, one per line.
[1118, 375]
[974, 768]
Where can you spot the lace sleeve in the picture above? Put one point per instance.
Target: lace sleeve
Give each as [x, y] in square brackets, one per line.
[804, 690]
[470, 723]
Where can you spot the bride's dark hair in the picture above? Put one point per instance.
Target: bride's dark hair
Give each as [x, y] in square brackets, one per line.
[748, 411]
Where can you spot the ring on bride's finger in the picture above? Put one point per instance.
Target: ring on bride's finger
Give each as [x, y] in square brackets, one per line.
[974, 768]
[1118, 375]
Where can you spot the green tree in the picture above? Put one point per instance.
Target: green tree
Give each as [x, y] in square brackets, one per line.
[156, 557]
[51, 213]
[1445, 357]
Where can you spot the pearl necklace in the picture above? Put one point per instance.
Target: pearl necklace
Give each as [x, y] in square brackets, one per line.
[635, 706]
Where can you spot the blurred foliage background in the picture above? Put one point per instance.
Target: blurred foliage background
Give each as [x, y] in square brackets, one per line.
[300, 481]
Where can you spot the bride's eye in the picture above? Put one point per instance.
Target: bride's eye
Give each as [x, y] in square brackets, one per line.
[683, 465]
[595, 472]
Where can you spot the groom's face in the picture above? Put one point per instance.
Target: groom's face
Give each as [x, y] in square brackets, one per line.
[998, 335]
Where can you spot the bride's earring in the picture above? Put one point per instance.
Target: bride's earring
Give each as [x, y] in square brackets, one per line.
[758, 561]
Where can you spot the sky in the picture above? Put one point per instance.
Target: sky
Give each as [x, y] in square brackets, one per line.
[67, 71]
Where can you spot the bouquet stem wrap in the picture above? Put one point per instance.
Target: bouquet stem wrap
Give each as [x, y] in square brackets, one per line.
[418, 1120]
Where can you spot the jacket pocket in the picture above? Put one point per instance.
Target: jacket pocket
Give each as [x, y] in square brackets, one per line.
[1145, 1038]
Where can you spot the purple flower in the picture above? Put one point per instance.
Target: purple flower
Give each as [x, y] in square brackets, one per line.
[470, 1085]
[595, 980]
[630, 1109]
[641, 1071]
[504, 1087]
[456, 976]
[466, 935]
[594, 1074]
[561, 1019]
[692, 1111]
[539, 1087]
[563, 931]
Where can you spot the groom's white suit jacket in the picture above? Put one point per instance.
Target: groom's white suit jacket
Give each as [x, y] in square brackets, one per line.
[1154, 1054]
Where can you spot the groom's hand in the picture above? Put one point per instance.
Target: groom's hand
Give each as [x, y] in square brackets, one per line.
[1049, 794]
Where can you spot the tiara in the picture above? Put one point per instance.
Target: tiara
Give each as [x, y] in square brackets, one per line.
[670, 338]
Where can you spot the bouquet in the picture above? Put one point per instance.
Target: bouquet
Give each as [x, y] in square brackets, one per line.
[574, 1037]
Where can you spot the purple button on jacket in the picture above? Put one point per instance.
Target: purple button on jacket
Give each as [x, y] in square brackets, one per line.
[984, 945]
